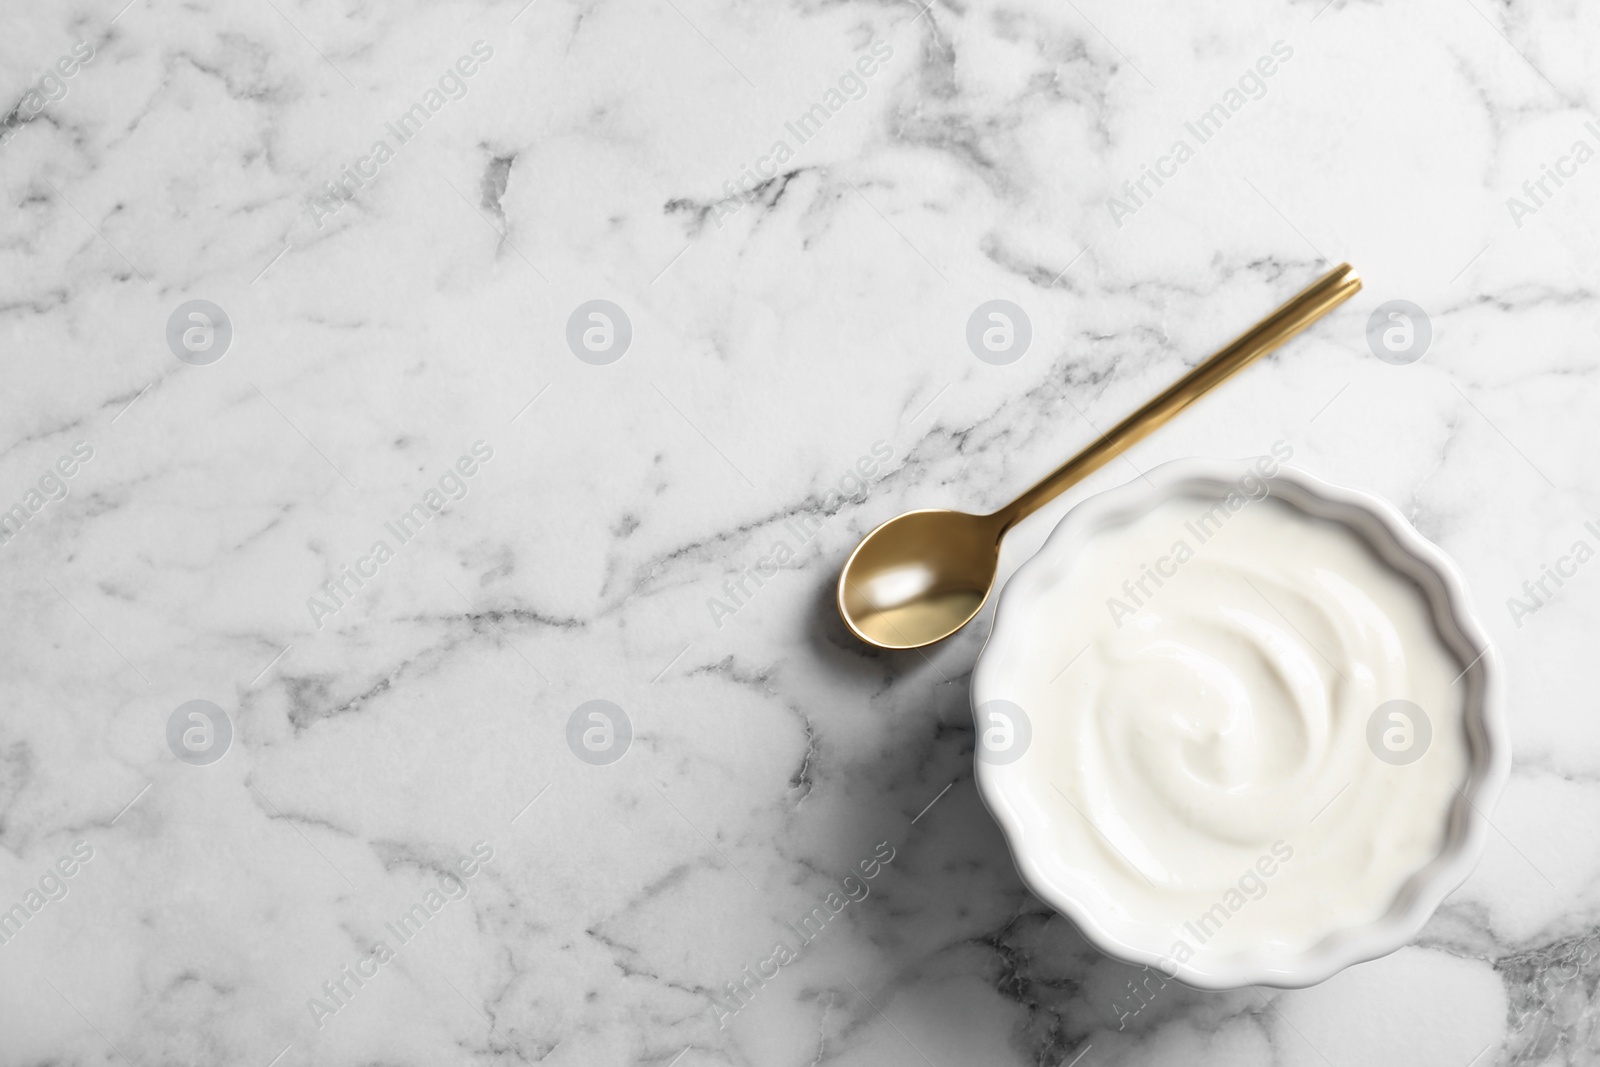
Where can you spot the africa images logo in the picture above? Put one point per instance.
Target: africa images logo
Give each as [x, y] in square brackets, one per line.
[199, 332]
[1251, 85]
[451, 885]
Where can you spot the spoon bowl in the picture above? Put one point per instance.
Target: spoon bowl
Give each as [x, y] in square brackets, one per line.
[919, 577]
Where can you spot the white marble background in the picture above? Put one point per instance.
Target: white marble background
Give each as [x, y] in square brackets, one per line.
[773, 346]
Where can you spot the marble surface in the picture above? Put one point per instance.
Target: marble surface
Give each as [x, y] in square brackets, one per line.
[662, 531]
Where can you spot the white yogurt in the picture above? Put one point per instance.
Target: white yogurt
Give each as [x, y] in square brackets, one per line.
[1206, 755]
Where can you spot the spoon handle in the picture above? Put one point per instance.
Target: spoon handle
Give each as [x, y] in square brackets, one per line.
[1304, 308]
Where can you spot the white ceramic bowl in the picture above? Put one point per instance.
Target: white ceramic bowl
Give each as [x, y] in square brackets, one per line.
[1401, 547]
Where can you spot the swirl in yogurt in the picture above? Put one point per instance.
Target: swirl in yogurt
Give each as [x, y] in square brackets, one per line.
[1207, 751]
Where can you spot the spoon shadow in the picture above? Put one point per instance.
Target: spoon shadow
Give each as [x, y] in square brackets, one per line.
[842, 651]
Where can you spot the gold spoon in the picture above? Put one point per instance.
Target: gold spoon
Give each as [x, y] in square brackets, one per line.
[923, 575]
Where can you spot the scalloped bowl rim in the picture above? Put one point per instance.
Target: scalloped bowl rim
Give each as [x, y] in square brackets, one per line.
[1439, 580]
